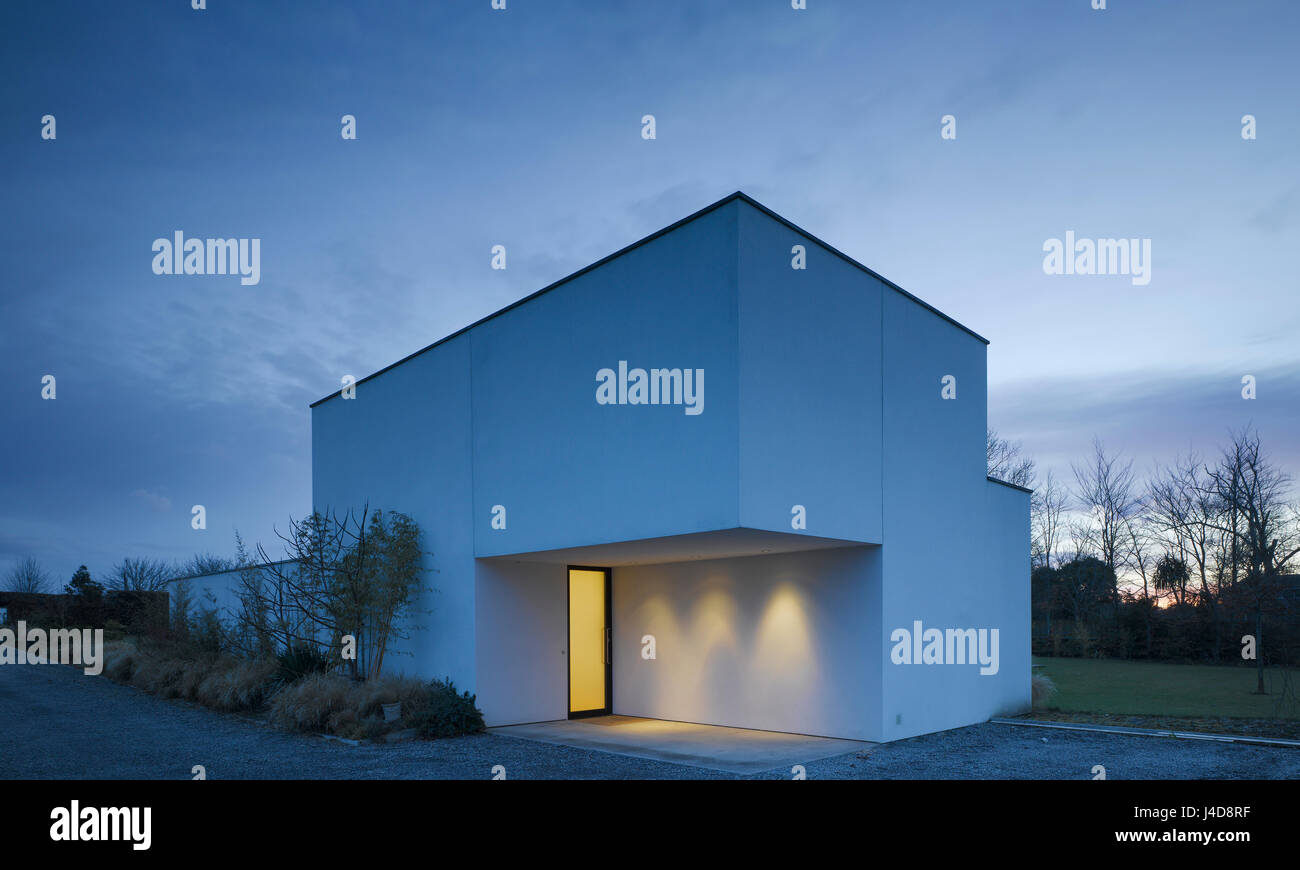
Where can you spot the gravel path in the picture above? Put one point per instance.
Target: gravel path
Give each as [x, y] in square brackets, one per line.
[61, 724]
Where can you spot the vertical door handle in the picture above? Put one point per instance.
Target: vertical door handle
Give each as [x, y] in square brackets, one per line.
[608, 647]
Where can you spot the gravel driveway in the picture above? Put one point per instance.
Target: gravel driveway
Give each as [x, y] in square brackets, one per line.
[61, 724]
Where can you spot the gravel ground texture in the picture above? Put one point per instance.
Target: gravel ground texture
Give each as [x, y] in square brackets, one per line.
[62, 724]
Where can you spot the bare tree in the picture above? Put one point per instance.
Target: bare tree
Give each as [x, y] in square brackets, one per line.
[1252, 495]
[142, 575]
[1184, 511]
[205, 563]
[27, 576]
[1006, 461]
[1139, 544]
[1081, 545]
[1107, 493]
[1248, 484]
[353, 575]
[1046, 508]
[294, 598]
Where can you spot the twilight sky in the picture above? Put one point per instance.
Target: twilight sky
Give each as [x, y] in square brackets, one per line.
[477, 127]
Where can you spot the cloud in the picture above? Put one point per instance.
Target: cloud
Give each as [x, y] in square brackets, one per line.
[155, 501]
[1148, 415]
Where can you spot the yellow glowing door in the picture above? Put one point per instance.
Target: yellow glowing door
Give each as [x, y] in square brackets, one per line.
[589, 647]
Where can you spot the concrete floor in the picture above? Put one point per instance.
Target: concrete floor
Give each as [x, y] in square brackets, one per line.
[734, 750]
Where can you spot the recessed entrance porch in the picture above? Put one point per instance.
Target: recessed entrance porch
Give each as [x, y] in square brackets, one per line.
[734, 750]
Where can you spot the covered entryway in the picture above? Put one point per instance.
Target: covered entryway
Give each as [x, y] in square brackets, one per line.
[734, 750]
[743, 629]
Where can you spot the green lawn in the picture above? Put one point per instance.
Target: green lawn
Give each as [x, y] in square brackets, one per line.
[1114, 686]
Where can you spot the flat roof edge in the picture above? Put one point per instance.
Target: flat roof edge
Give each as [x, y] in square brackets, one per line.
[1008, 484]
[236, 569]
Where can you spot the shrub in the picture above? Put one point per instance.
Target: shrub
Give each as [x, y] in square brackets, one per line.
[205, 633]
[449, 713]
[411, 693]
[250, 683]
[336, 705]
[141, 614]
[345, 723]
[1043, 688]
[302, 660]
[237, 684]
[187, 686]
[355, 573]
[320, 701]
[120, 660]
[374, 727]
[308, 704]
[158, 675]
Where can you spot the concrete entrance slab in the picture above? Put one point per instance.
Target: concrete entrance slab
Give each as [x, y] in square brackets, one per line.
[734, 750]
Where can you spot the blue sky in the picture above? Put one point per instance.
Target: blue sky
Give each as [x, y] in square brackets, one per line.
[522, 127]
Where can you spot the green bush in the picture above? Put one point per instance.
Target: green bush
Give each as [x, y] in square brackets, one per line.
[205, 635]
[449, 713]
[302, 660]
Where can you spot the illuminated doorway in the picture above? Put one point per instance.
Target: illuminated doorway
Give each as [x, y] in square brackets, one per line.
[590, 643]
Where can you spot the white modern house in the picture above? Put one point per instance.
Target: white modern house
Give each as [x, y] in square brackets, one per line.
[726, 475]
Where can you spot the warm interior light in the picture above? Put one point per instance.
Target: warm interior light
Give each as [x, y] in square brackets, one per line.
[586, 640]
[784, 649]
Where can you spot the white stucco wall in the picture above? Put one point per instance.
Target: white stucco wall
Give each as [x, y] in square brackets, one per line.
[1006, 556]
[935, 523]
[810, 387]
[222, 588]
[403, 444]
[781, 642]
[521, 631]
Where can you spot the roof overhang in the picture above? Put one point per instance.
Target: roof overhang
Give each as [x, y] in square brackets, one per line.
[721, 544]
